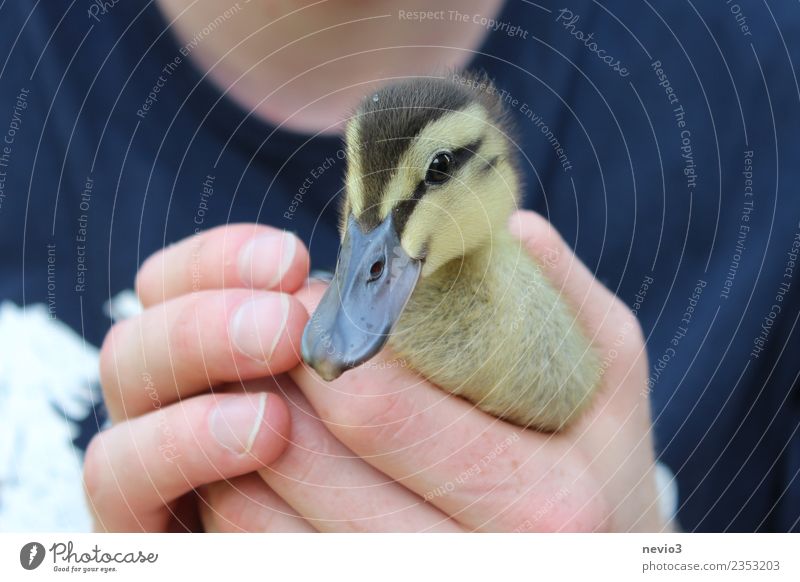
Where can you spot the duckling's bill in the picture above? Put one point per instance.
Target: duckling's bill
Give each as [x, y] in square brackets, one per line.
[373, 282]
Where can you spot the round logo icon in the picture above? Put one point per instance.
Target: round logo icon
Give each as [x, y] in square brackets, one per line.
[31, 555]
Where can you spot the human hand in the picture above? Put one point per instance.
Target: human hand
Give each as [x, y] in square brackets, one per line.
[218, 312]
[381, 449]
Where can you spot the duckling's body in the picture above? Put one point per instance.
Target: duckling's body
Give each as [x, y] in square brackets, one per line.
[493, 330]
[428, 264]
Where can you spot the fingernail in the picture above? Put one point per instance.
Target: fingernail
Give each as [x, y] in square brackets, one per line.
[266, 258]
[258, 324]
[236, 421]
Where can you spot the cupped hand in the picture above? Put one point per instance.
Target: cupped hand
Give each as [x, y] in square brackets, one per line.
[382, 449]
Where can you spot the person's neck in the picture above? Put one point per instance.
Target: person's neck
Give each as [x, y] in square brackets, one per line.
[306, 64]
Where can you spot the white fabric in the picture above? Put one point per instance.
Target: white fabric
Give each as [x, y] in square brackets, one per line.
[47, 379]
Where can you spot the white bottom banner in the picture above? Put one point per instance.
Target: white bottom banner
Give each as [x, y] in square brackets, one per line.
[389, 557]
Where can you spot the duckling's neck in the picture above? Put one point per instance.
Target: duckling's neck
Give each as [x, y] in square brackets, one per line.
[479, 264]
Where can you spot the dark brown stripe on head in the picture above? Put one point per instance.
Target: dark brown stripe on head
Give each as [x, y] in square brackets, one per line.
[403, 210]
[463, 154]
[387, 126]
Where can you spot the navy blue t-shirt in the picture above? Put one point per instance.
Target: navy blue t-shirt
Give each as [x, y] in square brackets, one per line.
[661, 139]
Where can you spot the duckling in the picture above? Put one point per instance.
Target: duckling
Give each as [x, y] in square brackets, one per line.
[428, 266]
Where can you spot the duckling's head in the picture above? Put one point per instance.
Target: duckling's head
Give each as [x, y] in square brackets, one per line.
[431, 175]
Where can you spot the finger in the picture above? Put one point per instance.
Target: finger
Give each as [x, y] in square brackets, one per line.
[486, 474]
[234, 255]
[336, 491]
[247, 504]
[135, 470]
[188, 344]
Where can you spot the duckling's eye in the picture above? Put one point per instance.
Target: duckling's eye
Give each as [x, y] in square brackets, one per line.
[440, 169]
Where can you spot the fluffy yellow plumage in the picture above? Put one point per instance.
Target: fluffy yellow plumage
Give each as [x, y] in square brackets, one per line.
[428, 264]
